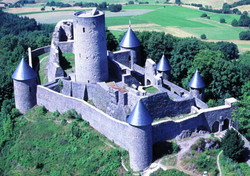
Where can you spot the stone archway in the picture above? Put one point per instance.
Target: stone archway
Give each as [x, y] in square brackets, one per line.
[215, 127]
[225, 124]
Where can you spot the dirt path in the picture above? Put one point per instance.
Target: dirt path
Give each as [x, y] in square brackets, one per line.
[218, 162]
[185, 147]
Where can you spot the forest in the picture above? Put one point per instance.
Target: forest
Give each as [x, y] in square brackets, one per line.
[225, 71]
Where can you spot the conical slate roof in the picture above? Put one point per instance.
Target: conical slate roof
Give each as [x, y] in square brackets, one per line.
[140, 116]
[163, 65]
[24, 72]
[197, 82]
[130, 40]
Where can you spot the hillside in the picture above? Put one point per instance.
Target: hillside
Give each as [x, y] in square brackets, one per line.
[44, 143]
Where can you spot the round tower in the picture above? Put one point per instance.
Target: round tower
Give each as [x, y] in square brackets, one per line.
[91, 62]
[140, 132]
[164, 68]
[197, 86]
[131, 42]
[25, 82]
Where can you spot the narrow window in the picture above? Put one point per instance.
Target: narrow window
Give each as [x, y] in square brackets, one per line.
[29, 89]
[83, 30]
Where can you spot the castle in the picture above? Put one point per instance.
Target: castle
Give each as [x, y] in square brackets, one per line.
[122, 109]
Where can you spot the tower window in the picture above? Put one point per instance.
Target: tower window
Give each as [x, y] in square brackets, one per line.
[83, 30]
[29, 89]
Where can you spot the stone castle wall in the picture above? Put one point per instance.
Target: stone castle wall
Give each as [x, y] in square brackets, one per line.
[160, 105]
[168, 129]
[128, 137]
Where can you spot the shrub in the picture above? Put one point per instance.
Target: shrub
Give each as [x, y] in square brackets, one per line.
[203, 15]
[194, 147]
[176, 147]
[56, 114]
[203, 37]
[72, 114]
[130, 2]
[208, 17]
[43, 8]
[232, 144]
[222, 20]
[41, 110]
[234, 22]
[64, 122]
[244, 35]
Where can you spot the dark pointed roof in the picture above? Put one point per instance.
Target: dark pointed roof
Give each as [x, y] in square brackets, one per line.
[140, 116]
[24, 72]
[163, 64]
[130, 40]
[197, 82]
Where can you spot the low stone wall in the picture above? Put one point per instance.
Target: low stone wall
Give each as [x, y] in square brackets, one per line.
[168, 129]
[66, 47]
[160, 105]
[122, 57]
[39, 51]
[176, 89]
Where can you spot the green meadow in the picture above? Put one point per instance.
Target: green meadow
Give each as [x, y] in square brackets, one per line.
[186, 19]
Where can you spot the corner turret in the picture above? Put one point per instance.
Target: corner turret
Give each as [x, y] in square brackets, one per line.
[140, 150]
[25, 82]
[197, 86]
[131, 42]
[164, 67]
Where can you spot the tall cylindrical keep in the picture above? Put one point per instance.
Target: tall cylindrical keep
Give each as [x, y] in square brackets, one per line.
[25, 94]
[91, 63]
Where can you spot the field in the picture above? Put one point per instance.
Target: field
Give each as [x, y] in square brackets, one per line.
[176, 20]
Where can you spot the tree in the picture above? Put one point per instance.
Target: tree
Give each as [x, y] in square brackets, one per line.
[130, 2]
[244, 19]
[222, 20]
[183, 53]
[222, 78]
[234, 22]
[244, 35]
[115, 7]
[226, 8]
[43, 8]
[203, 36]
[53, 9]
[229, 49]
[112, 43]
[242, 113]
[232, 144]
[177, 1]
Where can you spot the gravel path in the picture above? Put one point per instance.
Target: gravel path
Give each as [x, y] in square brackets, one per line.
[218, 162]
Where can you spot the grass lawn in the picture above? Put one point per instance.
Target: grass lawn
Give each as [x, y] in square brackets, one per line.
[151, 89]
[123, 20]
[142, 6]
[67, 62]
[43, 69]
